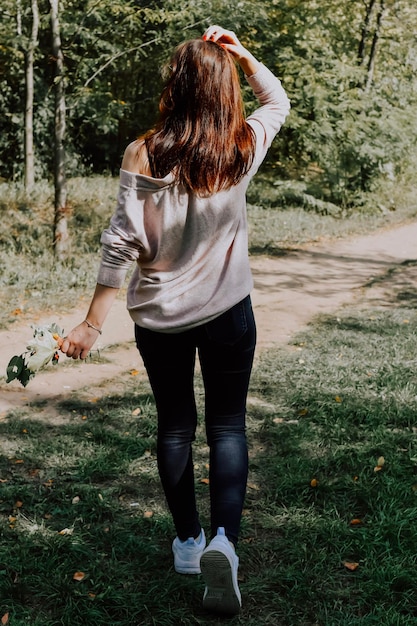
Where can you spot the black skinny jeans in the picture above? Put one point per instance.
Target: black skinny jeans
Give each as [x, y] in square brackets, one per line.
[226, 348]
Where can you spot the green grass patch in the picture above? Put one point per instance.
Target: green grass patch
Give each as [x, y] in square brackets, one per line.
[322, 412]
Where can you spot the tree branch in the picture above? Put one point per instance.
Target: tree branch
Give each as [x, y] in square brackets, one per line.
[143, 45]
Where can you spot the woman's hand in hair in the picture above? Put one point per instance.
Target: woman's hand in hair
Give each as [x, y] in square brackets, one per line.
[228, 40]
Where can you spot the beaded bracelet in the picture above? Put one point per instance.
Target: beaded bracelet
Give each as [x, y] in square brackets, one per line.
[90, 325]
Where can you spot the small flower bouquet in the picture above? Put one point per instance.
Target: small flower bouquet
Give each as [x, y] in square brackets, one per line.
[43, 348]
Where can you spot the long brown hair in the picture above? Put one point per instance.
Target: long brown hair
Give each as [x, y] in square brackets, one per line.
[201, 134]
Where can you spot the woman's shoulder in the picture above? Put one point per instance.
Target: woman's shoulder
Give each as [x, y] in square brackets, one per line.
[135, 158]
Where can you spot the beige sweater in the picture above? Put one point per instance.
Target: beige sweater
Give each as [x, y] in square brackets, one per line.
[191, 253]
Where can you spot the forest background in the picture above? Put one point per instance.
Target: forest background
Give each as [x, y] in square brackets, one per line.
[81, 78]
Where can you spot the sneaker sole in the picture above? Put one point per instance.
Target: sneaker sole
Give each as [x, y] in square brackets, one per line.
[220, 595]
[187, 570]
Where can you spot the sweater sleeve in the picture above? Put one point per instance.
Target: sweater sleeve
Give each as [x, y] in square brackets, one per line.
[267, 120]
[120, 242]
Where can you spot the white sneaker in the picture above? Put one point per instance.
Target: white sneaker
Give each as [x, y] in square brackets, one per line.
[219, 565]
[187, 554]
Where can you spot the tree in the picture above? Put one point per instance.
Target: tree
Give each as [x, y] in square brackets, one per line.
[349, 69]
[29, 62]
[61, 235]
[373, 6]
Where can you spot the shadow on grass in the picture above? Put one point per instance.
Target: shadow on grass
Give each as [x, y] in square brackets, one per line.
[326, 537]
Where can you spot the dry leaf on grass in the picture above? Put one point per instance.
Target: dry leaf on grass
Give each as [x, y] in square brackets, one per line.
[78, 576]
[351, 566]
[5, 619]
[379, 464]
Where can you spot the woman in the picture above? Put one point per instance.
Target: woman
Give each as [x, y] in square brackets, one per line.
[181, 216]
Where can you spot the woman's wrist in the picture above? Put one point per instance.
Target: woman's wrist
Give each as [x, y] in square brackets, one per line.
[90, 325]
[248, 63]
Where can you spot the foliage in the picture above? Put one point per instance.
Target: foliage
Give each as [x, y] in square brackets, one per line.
[353, 103]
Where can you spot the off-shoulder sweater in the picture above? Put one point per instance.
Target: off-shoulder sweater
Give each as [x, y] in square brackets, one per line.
[191, 252]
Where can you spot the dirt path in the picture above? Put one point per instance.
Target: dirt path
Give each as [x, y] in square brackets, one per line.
[289, 292]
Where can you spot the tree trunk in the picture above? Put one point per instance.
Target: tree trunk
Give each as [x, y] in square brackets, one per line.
[29, 61]
[375, 39]
[61, 235]
[365, 31]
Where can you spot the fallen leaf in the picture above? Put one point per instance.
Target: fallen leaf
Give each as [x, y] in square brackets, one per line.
[205, 481]
[18, 461]
[302, 412]
[78, 576]
[378, 468]
[83, 417]
[5, 619]
[136, 412]
[134, 372]
[381, 462]
[148, 514]
[253, 486]
[355, 521]
[75, 499]
[351, 566]
[18, 504]
[66, 531]
[314, 482]
[338, 399]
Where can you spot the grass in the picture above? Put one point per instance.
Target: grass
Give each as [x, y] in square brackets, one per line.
[322, 413]
[81, 493]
